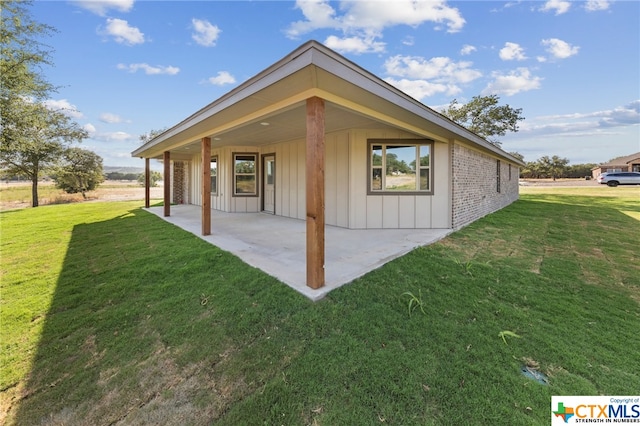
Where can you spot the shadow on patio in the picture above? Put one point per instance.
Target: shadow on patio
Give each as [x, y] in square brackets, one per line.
[277, 245]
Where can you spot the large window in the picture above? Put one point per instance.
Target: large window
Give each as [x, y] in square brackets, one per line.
[400, 167]
[214, 175]
[245, 176]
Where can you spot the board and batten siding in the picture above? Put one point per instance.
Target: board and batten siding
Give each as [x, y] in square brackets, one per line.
[347, 204]
[390, 211]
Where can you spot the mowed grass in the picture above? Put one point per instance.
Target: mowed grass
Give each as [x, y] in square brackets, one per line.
[111, 316]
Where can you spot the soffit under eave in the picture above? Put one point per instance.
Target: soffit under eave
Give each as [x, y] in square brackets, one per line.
[282, 95]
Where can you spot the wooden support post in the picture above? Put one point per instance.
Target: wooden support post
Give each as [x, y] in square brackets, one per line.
[147, 184]
[167, 183]
[315, 192]
[206, 186]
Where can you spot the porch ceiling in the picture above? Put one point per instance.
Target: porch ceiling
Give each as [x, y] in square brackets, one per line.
[282, 126]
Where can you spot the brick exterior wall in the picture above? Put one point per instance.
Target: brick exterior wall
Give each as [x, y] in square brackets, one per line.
[475, 184]
[179, 182]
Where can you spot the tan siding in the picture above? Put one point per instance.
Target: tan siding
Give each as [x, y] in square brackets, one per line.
[301, 167]
[342, 180]
[440, 202]
[357, 181]
[195, 182]
[330, 180]
[373, 213]
[407, 212]
[390, 210]
[423, 212]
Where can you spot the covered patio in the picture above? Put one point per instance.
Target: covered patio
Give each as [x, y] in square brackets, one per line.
[277, 245]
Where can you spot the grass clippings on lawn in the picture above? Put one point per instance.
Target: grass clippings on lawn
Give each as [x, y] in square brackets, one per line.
[112, 316]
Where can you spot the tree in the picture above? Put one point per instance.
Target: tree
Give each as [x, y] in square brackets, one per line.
[146, 137]
[554, 166]
[80, 171]
[32, 137]
[484, 117]
[36, 143]
[154, 178]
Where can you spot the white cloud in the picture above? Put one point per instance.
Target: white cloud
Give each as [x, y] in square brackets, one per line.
[439, 68]
[409, 41]
[519, 80]
[512, 52]
[354, 44]
[560, 6]
[596, 5]
[222, 78]
[560, 49]
[110, 118]
[149, 70]
[420, 77]
[120, 30]
[63, 106]
[205, 33]
[367, 19]
[113, 136]
[101, 7]
[90, 128]
[583, 124]
[420, 89]
[467, 49]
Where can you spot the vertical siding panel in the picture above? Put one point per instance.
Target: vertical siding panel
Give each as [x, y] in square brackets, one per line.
[441, 207]
[301, 195]
[284, 170]
[196, 175]
[390, 210]
[357, 180]
[293, 180]
[407, 212]
[330, 180]
[374, 213]
[423, 211]
[342, 180]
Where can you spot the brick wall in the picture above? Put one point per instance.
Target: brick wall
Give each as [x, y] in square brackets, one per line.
[475, 184]
[179, 182]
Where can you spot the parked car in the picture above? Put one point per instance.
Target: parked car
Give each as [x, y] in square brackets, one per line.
[620, 178]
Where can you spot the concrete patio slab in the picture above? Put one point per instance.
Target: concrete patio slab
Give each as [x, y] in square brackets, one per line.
[277, 245]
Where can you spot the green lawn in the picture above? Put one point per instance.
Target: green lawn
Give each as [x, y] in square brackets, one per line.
[109, 314]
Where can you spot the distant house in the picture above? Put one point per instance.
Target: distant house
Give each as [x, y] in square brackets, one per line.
[316, 137]
[630, 163]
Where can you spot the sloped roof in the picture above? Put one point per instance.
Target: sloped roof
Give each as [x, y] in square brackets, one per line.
[354, 97]
[621, 161]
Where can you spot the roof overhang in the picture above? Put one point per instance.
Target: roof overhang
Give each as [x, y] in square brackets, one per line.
[270, 107]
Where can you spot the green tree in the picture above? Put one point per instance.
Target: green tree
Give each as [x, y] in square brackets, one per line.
[146, 137]
[80, 171]
[554, 167]
[154, 178]
[35, 144]
[32, 137]
[484, 117]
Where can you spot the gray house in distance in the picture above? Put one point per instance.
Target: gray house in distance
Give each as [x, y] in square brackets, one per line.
[316, 137]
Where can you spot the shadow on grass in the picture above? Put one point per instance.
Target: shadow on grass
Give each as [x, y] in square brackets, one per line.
[140, 310]
[151, 325]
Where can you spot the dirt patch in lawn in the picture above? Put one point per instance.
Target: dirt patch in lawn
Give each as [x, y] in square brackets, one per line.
[17, 195]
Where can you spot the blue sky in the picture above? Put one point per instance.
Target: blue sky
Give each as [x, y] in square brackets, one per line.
[125, 67]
